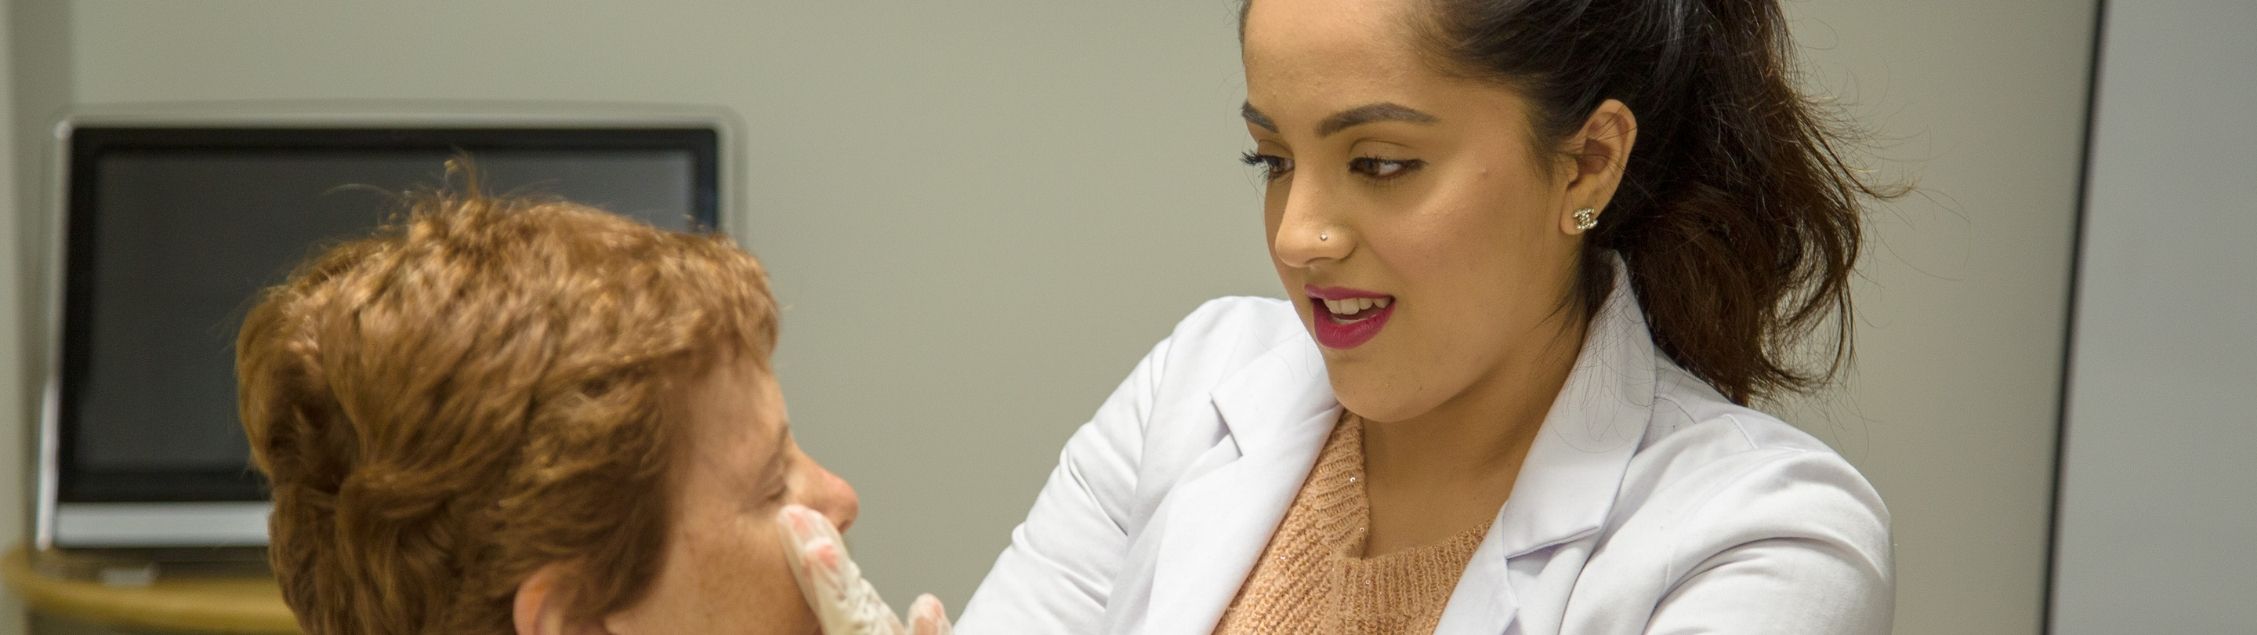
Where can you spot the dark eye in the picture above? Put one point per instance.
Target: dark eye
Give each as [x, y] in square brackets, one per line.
[1273, 166]
[1379, 169]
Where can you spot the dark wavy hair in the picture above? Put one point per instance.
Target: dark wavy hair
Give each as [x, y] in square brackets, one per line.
[1739, 215]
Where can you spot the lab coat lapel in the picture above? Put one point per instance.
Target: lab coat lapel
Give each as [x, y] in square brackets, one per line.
[1279, 410]
[1484, 602]
[1567, 486]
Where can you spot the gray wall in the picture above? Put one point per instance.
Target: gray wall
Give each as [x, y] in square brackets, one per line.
[979, 214]
[2155, 503]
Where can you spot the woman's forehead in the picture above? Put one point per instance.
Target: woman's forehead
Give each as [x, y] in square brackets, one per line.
[738, 405]
[1290, 31]
[1307, 53]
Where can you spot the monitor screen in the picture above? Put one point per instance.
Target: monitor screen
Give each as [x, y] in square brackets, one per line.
[172, 232]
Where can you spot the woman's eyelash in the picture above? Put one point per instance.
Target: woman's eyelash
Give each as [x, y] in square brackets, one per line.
[1272, 166]
[1374, 168]
[1379, 169]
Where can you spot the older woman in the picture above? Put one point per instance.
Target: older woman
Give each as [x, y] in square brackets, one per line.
[1539, 259]
[507, 415]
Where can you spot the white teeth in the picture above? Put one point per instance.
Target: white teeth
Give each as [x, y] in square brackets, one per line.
[1352, 306]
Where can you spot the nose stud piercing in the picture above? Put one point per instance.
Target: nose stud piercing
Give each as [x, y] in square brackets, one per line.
[1323, 236]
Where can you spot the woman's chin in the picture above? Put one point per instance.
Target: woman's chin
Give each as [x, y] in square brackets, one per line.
[1361, 402]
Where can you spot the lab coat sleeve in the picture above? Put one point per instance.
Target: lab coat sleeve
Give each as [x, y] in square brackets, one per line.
[1057, 572]
[1795, 544]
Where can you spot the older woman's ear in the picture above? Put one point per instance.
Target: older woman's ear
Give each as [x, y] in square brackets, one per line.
[543, 607]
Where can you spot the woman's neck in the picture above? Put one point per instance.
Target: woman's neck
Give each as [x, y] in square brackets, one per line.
[1434, 474]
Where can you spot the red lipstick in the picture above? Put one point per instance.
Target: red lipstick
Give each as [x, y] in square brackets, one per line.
[1355, 322]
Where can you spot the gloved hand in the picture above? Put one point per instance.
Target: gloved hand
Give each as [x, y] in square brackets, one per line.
[844, 603]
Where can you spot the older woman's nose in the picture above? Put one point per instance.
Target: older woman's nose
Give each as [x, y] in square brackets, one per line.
[834, 498]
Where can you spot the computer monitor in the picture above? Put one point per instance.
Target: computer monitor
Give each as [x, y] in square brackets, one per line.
[169, 229]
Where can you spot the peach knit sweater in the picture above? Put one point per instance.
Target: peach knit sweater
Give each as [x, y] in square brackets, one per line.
[1313, 576]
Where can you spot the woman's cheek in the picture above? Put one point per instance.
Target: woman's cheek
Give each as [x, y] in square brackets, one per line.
[738, 580]
[763, 575]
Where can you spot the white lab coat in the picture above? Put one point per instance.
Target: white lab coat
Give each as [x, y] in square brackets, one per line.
[1648, 504]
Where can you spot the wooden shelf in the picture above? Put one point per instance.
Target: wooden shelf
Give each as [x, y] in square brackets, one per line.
[185, 604]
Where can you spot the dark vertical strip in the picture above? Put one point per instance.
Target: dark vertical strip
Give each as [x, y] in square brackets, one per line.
[2069, 334]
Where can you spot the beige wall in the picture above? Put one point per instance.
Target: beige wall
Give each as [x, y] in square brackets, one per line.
[36, 59]
[979, 214]
[12, 336]
[1953, 409]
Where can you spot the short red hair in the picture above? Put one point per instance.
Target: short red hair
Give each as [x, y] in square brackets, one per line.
[485, 387]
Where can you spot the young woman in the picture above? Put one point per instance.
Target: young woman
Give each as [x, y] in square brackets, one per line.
[1540, 257]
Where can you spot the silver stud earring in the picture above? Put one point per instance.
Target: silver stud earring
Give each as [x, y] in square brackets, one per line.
[1585, 219]
[1322, 236]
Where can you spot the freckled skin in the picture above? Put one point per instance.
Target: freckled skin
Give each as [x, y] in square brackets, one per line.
[725, 571]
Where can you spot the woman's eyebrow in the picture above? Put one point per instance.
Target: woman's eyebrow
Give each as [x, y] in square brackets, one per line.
[1350, 118]
[1372, 113]
[1256, 117]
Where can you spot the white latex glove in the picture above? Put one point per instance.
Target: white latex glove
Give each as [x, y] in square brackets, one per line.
[844, 603]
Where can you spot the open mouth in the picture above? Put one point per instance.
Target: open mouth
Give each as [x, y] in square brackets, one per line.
[1346, 318]
[1353, 309]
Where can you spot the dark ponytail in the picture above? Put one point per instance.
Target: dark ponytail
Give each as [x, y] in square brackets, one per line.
[1737, 214]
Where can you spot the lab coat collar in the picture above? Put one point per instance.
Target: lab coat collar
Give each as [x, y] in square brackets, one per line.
[1567, 485]
[1279, 411]
[1264, 404]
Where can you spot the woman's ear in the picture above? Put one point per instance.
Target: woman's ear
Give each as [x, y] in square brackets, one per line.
[544, 607]
[1601, 151]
